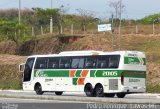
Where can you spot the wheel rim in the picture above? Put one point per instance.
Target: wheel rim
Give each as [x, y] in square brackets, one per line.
[99, 91]
[39, 89]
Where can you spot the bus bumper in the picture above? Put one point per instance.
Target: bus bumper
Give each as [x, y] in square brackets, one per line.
[133, 89]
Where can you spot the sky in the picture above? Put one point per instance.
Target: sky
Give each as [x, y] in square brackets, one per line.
[134, 9]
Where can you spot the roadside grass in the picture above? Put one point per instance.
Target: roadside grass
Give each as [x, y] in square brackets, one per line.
[16, 85]
[153, 89]
[10, 77]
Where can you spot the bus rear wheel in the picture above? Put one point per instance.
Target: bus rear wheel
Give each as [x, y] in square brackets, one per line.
[99, 90]
[38, 89]
[109, 94]
[58, 93]
[121, 95]
[89, 90]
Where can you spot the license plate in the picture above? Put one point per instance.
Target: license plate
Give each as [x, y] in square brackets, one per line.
[134, 87]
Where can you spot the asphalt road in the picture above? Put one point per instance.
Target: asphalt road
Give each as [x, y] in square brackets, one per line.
[29, 100]
[14, 103]
[131, 98]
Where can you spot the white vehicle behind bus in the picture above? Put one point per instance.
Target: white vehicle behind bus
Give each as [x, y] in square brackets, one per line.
[96, 73]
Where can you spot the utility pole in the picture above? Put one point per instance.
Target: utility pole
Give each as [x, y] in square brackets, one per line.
[112, 29]
[19, 19]
[120, 23]
[154, 27]
[51, 21]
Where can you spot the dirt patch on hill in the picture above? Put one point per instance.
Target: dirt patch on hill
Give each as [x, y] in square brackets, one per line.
[10, 77]
[6, 59]
[8, 47]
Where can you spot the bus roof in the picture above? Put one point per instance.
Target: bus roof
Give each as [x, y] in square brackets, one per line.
[81, 52]
[89, 52]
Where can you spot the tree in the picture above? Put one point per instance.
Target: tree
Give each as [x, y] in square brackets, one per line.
[155, 18]
[11, 29]
[115, 4]
[62, 12]
[43, 16]
[85, 17]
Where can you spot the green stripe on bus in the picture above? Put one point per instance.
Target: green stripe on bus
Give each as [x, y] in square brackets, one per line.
[78, 73]
[135, 74]
[134, 60]
[51, 73]
[104, 73]
[117, 73]
[144, 60]
[74, 81]
[93, 73]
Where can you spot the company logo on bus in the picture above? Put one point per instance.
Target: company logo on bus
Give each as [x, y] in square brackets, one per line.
[40, 73]
[110, 73]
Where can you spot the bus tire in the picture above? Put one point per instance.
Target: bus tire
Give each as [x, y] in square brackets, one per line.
[88, 89]
[120, 95]
[109, 94]
[38, 89]
[58, 93]
[99, 90]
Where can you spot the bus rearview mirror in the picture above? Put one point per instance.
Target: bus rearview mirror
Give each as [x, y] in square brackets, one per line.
[21, 67]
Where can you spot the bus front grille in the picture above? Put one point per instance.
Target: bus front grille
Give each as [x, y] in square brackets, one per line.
[113, 84]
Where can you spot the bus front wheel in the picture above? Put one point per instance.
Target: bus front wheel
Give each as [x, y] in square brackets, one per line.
[120, 95]
[58, 93]
[38, 89]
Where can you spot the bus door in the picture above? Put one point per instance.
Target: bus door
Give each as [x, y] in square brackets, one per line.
[27, 74]
[62, 80]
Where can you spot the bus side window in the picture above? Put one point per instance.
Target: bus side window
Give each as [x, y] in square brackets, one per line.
[41, 66]
[75, 63]
[88, 65]
[65, 62]
[61, 66]
[114, 61]
[81, 63]
[103, 65]
[90, 62]
[53, 63]
[102, 62]
[41, 63]
[67, 65]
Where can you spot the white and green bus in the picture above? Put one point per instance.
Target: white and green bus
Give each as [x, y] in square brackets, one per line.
[96, 73]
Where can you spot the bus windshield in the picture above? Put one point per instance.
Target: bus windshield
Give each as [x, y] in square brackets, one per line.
[28, 69]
